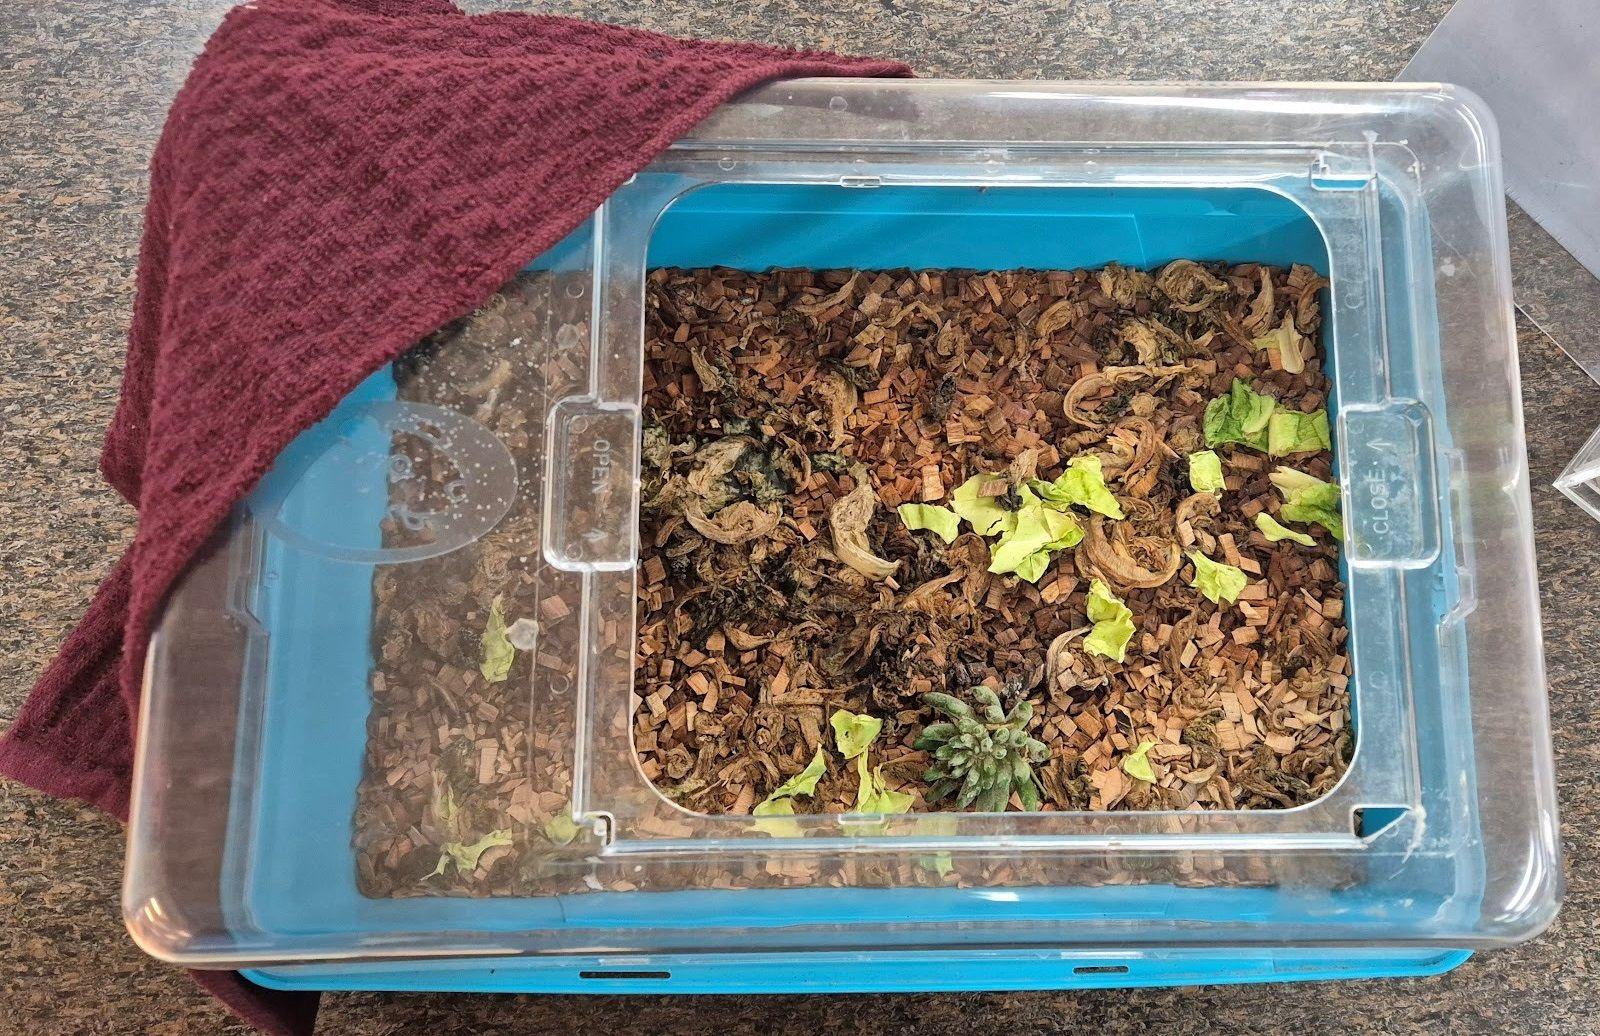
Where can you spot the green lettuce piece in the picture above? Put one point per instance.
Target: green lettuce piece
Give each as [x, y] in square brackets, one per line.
[941, 520]
[1039, 529]
[780, 803]
[465, 857]
[1241, 416]
[1033, 566]
[1288, 342]
[939, 863]
[1103, 604]
[444, 803]
[1290, 431]
[1082, 484]
[1315, 516]
[1065, 532]
[874, 796]
[1273, 530]
[561, 829]
[772, 817]
[852, 733]
[498, 652]
[1309, 500]
[1205, 472]
[1217, 581]
[983, 513]
[853, 736]
[1113, 623]
[1303, 488]
[1136, 764]
[804, 782]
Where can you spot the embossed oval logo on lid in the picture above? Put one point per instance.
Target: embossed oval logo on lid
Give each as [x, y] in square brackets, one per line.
[387, 481]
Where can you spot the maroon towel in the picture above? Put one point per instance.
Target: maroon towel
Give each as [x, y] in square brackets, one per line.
[336, 179]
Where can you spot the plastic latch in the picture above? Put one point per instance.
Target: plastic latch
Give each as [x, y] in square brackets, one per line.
[589, 501]
[1391, 494]
[1454, 475]
[1333, 171]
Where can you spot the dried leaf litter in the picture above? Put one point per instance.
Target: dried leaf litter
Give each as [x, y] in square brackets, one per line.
[790, 414]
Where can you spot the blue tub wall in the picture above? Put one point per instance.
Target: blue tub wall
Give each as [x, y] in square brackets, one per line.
[759, 226]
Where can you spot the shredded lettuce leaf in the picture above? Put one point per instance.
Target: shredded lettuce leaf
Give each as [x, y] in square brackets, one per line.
[1309, 488]
[1136, 764]
[774, 819]
[1274, 530]
[939, 863]
[852, 733]
[1252, 419]
[1039, 529]
[465, 857]
[1082, 484]
[1290, 431]
[498, 653]
[1033, 566]
[780, 803]
[1309, 500]
[874, 796]
[983, 513]
[1217, 581]
[1041, 524]
[1113, 623]
[804, 782]
[1065, 532]
[1288, 342]
[561, 829]
[444, 803]
[1241, 416]
[1028, 536]
[1205, 472]
[941, 520]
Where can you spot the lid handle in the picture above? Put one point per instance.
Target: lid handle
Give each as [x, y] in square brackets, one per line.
[591, 505]
[1392, 513]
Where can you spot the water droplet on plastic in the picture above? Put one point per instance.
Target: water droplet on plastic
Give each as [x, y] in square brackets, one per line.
[838, 104]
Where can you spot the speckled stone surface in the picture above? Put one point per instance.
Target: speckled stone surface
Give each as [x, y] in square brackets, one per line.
[83, 85]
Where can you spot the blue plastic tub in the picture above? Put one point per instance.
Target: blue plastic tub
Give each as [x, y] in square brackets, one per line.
[315, 703]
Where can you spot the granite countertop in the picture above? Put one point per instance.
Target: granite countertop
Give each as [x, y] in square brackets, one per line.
[83, 87]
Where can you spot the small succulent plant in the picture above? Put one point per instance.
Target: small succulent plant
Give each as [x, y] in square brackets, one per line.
[981, 752]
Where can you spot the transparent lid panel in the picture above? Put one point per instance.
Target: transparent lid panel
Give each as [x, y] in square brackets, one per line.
[339, 759]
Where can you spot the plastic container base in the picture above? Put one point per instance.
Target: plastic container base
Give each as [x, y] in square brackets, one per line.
[863, 973]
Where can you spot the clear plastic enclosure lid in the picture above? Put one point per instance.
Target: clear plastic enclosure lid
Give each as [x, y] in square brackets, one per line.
[502, 455]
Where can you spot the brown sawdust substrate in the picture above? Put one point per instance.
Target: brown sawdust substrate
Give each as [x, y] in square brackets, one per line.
[782, 386]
